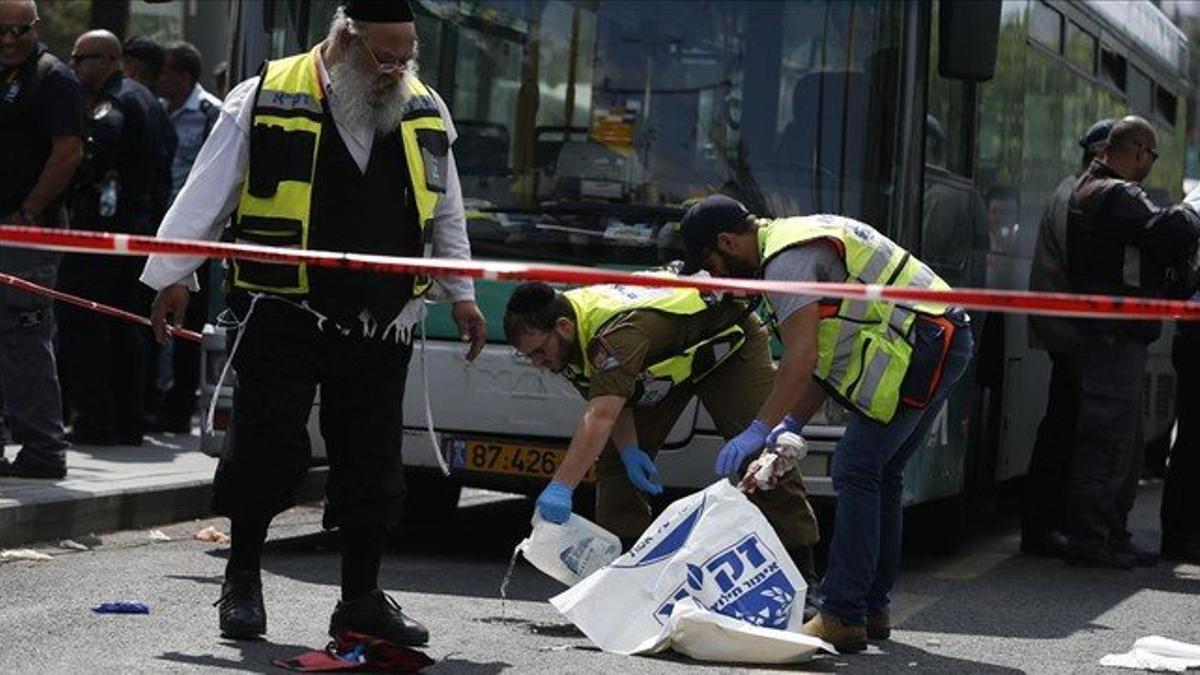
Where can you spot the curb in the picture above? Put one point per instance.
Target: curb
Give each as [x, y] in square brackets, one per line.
[78, 515]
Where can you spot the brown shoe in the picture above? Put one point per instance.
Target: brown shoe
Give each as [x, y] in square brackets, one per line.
[879, 627]
[844, 637]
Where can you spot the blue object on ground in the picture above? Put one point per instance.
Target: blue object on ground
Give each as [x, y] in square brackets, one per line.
[123, 607]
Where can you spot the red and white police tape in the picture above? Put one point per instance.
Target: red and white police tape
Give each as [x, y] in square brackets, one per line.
[38, 289]
[1022, 302]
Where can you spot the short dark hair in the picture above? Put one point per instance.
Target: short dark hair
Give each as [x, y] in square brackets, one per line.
[534, 306]
[1130, 133]
[183, 57]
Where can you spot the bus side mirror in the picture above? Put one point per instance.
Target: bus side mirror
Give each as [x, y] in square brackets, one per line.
[968, 33]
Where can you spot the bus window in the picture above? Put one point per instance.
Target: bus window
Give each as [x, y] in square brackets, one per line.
[590, 125]
[1081, 48]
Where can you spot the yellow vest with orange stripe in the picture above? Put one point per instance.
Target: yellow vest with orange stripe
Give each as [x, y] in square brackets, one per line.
[863, 347]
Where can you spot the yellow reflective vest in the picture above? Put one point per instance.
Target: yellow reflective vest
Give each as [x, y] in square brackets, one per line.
[863, 347]
[596, 307]
[276, 203]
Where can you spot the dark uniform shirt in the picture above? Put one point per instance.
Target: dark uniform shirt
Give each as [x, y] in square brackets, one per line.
[39, 100]
[1108, 221]
[632, 342]
[129, 138]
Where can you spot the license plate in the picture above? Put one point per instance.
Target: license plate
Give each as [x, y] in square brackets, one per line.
[510, 458]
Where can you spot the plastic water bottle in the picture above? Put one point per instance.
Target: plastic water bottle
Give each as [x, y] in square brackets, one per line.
[108, 195]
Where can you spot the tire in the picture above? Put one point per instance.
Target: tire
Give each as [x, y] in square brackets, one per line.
[430, 498]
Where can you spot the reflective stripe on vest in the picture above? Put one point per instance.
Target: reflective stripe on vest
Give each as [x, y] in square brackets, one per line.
[597, 306]
[285, 138]
[864, 348]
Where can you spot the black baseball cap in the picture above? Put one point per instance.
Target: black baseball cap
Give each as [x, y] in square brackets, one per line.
[1096, 134]
[145, 49]
[703, 222]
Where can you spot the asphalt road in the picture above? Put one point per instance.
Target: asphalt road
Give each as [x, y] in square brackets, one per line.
[984, 610]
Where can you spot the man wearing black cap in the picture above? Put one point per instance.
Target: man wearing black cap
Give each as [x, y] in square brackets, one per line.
[1046, 483]
[339, 148]
[891, 364]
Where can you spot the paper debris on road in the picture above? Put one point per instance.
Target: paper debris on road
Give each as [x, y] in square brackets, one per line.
[211, 534]
[159, 535]
[25, 554]
[1158, 654]
[72, 545]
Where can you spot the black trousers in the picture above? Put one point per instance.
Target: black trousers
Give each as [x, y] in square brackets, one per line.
[281, 360]
[1106, 460]
[103, 360]
[1180, 512]
[1046, 484]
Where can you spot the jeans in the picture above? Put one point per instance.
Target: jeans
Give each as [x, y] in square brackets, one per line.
[868, 475]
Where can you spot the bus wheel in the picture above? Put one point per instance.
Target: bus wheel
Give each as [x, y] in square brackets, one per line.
[937, 527]
[431, 498]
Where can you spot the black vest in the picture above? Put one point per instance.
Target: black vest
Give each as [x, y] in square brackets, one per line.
[373, 212]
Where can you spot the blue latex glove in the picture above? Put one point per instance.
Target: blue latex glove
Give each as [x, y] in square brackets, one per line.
[789, 423]
[554, 504]
[640, 469]
[742, 446]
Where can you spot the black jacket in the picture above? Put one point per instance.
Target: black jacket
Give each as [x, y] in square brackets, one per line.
[1107, 226]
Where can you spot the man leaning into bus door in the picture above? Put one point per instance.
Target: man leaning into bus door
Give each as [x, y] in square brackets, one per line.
[892, 364]
[340, 148]
[1046, 482]
[639, 356]
[1116, 240]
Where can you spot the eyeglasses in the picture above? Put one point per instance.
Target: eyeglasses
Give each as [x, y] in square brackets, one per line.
[536, 354]
[80, 58]
[389, 67]
[15, 29]
[1152, 151]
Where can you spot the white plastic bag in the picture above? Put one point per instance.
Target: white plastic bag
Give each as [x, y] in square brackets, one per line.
[713, 546]
[571, 551]
[708, 636]
[1158, 654]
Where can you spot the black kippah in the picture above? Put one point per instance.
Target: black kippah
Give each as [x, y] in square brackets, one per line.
[379, 11]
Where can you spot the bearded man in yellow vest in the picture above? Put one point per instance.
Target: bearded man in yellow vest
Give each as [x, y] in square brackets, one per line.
[891, 364]
[639, 356]
[339, 148]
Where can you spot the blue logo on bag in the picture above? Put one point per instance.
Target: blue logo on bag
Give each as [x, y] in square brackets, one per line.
[743, 581]
[669, 543]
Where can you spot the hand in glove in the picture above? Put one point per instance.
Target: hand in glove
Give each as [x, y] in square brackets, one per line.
[741, 446]
[789, 424]
[640, 469]
[554, 504]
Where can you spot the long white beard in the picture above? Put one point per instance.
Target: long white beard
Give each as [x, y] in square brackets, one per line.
[361, 103]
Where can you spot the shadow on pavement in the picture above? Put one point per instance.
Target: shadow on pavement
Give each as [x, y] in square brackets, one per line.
[256, 656]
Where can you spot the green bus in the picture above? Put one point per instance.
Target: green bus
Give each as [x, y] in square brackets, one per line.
[584, 126]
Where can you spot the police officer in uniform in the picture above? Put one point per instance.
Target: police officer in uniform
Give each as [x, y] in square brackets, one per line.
[120, 188]
[339, 148]
[639, 356]
[41, 126]
[891, 364]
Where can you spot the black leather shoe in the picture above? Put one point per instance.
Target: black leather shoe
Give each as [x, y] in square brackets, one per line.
[1099, 558]
[23, 467]
[1043, 544]
[377, 614]
[1141, 556]
[240, 606]
[1188, 553]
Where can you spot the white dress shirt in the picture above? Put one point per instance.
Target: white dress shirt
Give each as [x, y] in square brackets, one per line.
[214, 188]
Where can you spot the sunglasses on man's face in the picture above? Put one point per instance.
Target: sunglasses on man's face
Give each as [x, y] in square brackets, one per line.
[15, 29]
[80, 58]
